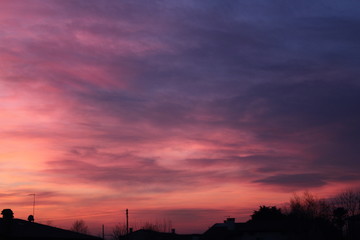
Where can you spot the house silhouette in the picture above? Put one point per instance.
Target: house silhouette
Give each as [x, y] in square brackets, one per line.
[144, 234]
[247, 231]
[18, 229]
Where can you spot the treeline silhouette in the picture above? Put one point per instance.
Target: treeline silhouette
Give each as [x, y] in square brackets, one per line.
[304, 217]
[309, 217]
[120, 230]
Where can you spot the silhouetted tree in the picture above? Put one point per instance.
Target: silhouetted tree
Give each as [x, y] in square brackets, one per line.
[118, 231]
[310, 207]
[164, 226]
[339, 216]
[79, 226]
[267, 214]
[349, 200]
[31, 218]
[311, 218]
[7, 214]
[151, 226]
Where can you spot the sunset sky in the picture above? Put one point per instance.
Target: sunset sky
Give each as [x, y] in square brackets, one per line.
[190, 111]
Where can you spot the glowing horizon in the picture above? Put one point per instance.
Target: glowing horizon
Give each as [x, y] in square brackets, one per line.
[175, 110]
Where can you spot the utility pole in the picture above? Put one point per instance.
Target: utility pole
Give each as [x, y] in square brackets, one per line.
[103, 231]
[127, 221]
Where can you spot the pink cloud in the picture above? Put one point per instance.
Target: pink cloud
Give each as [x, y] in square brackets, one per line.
[174, 109]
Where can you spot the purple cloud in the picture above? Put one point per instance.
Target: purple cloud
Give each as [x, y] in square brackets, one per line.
[294, 181]
[171, 96]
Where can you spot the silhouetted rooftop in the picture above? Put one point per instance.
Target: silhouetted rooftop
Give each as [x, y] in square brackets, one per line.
[18, 229]
[236, 230]
[153, 235]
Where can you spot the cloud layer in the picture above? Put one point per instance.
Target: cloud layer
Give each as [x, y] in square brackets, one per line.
[176, 105]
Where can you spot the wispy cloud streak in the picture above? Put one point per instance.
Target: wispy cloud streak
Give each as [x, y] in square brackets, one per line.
[167, 104]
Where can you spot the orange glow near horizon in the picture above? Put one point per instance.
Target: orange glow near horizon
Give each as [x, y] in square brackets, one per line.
[178, 110]
[29, 162]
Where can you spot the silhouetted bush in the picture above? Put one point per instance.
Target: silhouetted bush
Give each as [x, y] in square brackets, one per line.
[80, 227]
[267, 214]
[7, 214]
[119, 231]
[311, 218]
[349, 200]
